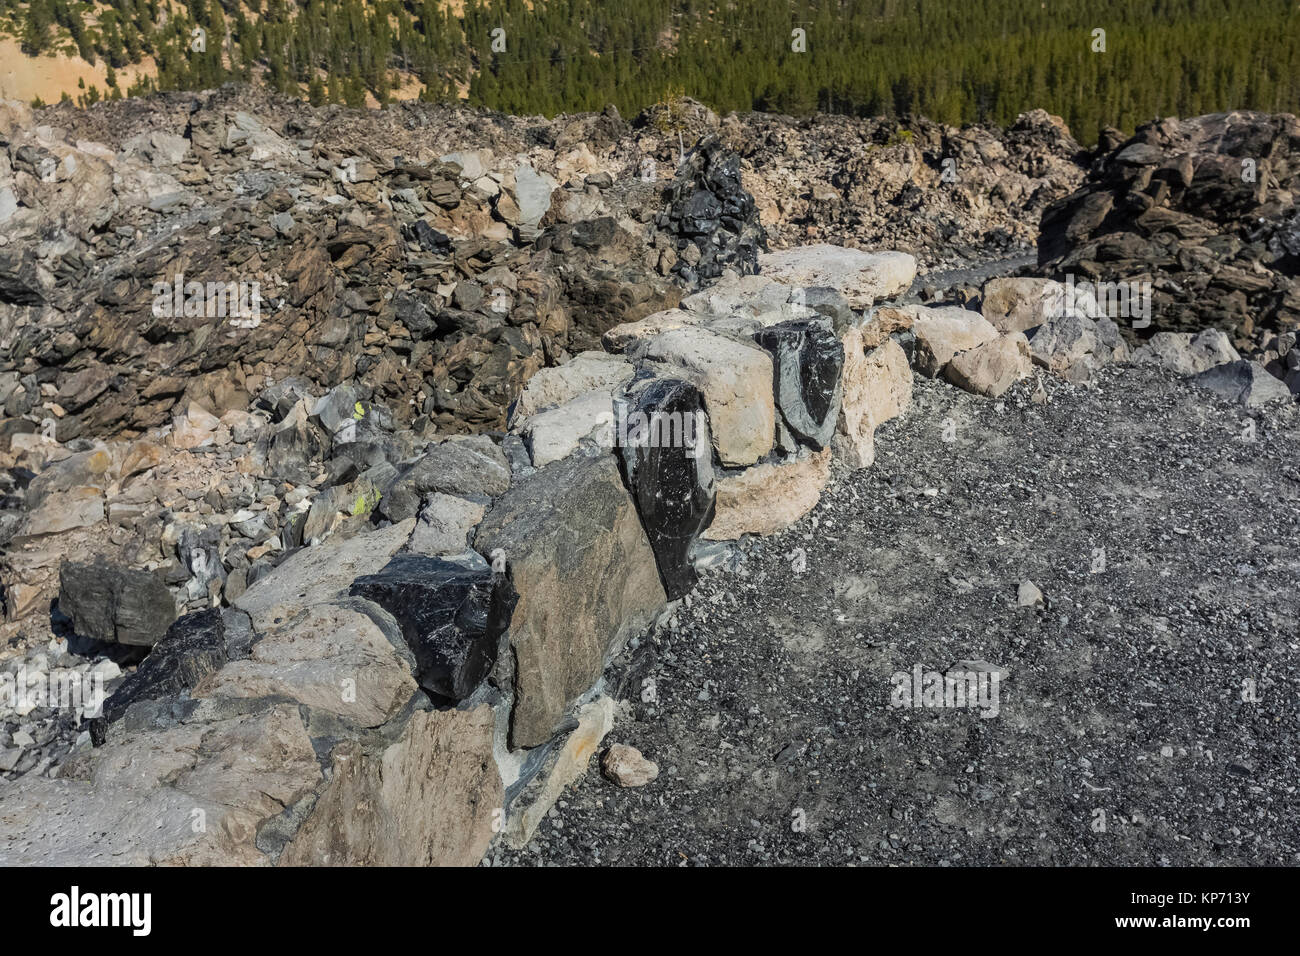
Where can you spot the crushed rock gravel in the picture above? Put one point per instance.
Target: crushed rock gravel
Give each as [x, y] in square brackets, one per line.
[1160, 525]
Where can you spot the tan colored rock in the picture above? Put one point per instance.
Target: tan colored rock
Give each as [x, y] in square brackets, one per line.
[863, 278]
[429, 799]
[884, 321]
[736, 380]
[87, 469]
[627, 767]
[751, 295]
[242, 425]
[992, 368]
[595, 720]
[877, 387]
[1075, 345]
[35, 451]
[627, 335]
[768, 498]
[258, 762]
[29, 568]
[1185, 353]
[1028, 594]
[197, 428]
[551, 387]
[15, 115]
[78, 507]
[59, 822]
[1014, 304]
[22, 599]
[445, 524]
[331, 659]
[319, 573]
[139, 457]
[555, 433]
[189, 795]
[575, 164]
[943, 332]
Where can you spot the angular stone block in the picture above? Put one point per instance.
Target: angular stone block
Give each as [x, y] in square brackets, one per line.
[586, 579]
[672, 480]
[110, 603]
[807, 362]
[736, 380]
[451, 614]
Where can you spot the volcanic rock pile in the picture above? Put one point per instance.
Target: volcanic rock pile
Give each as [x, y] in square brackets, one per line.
[125, 279]
[714, 218]
[1205, 209]
[434, 258]
[946, 196]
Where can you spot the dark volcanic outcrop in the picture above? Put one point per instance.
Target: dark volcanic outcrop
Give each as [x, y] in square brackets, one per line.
[713, 218]
[452, 615]
[1205, 210]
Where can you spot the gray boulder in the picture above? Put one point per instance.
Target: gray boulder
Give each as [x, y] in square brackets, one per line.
[1244, 382]
[465, 467]
[111, 603]
[582, 566]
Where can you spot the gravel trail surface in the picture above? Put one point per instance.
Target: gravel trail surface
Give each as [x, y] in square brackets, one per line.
[1145, 709]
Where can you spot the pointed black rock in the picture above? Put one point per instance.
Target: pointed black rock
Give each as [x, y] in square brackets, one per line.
[193, 647]
[663, 440]
[452, 615]
[807, 362]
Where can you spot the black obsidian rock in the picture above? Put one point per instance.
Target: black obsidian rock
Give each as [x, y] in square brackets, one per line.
[807, 362]
[452, 615]
[666, 452]
[710, 209]
[430, 239]
[193, 647]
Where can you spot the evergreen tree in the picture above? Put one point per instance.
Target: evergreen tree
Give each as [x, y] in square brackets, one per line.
[36, 27]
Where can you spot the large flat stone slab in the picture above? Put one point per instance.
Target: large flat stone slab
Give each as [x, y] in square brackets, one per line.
[863, 278]
[332, 659]
[318, 574]
[193, 794]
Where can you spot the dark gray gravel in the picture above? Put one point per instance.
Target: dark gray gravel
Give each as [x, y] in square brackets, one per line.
[1123, 703]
